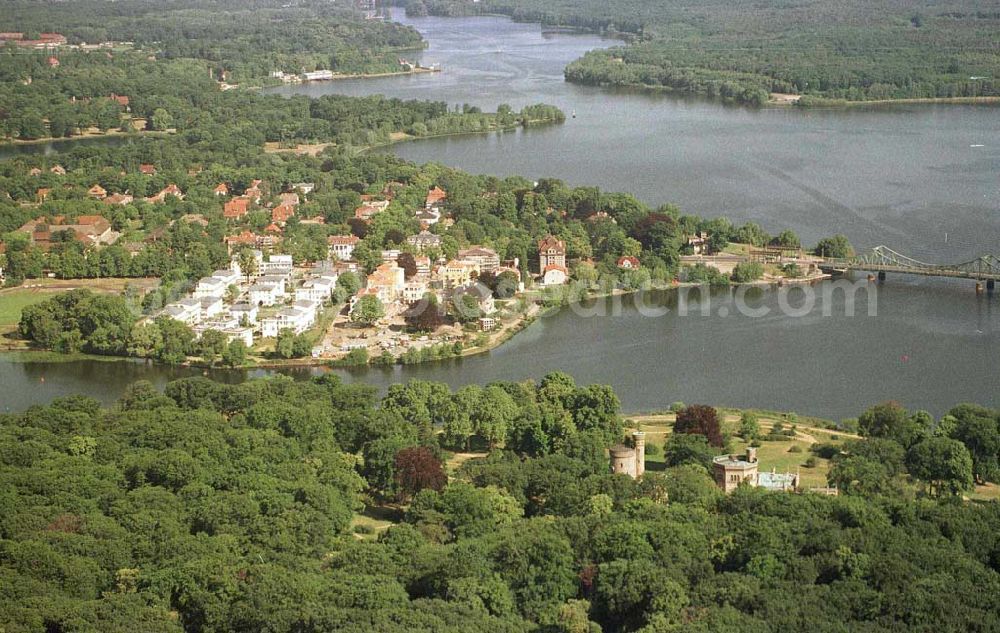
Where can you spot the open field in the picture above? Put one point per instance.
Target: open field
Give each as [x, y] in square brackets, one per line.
[14, 300]
[456, 461]
[11, 304]
[374, 520]
[779, 456]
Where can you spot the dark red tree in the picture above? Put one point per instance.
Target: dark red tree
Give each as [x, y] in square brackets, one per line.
[408, 263]
[418, 469]
[702, 420]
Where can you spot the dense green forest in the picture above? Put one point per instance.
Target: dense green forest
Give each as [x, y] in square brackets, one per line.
[845, 50]
[247, 40]
[213, 507]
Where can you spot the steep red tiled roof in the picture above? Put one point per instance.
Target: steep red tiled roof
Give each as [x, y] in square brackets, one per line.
[552, 242]
[236, 208]
[282, 212]
[435, 195]
[335, 240]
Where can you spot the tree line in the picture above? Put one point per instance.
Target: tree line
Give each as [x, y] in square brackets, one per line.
[840, 51]
[214, 507]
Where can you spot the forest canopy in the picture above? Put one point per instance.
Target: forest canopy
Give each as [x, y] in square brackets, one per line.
[845, 50]
[215, 507]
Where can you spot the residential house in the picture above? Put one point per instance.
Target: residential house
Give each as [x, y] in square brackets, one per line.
[435, 197]
[185, 310]
[251, 240]
[628, 262]
[229, 275]
[551, 251]
[391, 254]
[423, 265]
[298, 318]
[342, 246]
[698, 243]
[210, 287]
[277, 265]
[424, 240]
[278, 281]
[305, 187]
[281, 213]
[58, 170]
[319, 289]
[317, 75]
[221, 189]
[211, 307]
[194, 218]
[169, 190]
[368, 210]
[241, 334]
[244, 313]
[487, 258]
[414, 290]
[427, 217]
[121, 100]
[120, 199]
[484, 297]
[554, 275]
[457, 272]
[262, 294]
[387, 282]
[254, 191]
[290, 199]
[97, 192]
[236, 208]
[147, 169]
[92, 230]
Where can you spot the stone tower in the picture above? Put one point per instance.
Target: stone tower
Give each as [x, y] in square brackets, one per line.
[630, 460]
[639, 440]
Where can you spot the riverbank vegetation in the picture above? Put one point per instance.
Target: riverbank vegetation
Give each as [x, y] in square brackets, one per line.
[327, 508]
[847, 50]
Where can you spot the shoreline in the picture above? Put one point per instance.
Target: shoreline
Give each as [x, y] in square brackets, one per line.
[314, 149]
[504, 335]
[13, 142]
[393, 73]
[786, 101]
[403, 137]
[823, 102]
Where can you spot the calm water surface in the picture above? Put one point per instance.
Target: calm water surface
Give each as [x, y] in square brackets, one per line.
[907, 177]
[55, 147]
[930, 346]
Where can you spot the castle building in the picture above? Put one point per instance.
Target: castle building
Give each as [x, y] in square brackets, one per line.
[730, 471]
[630, 460]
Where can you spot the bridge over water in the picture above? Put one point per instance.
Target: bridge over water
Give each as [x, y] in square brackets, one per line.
[882, 260]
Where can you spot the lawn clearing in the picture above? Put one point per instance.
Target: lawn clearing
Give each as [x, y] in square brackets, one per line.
[373, 521]
[14, 300]
[770, 455]
[11, 304]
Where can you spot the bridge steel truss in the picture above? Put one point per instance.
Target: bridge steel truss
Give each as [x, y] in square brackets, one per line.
[883, 259]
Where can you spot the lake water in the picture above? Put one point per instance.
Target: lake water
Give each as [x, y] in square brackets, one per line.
[904, 176]
[907, 177]
[55, 147]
